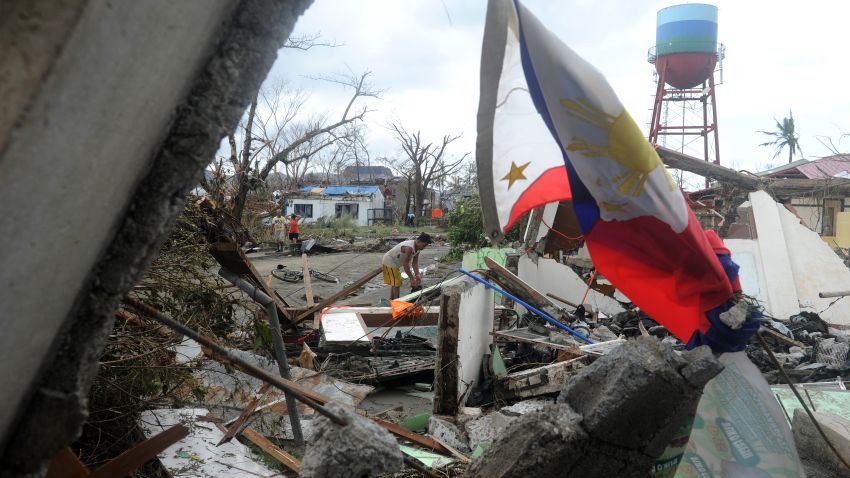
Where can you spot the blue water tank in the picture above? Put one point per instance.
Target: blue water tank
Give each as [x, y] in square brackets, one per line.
[685, 52]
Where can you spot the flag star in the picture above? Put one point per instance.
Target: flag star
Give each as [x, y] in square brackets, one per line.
[515, 174]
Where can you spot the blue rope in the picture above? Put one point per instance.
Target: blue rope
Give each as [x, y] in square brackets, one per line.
[528, 306]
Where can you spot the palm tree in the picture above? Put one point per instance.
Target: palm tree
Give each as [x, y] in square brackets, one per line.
[784, 136]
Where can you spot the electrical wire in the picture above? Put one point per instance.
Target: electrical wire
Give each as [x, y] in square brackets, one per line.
[579, 238]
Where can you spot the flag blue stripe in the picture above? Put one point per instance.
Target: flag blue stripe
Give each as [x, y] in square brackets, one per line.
[584, 205]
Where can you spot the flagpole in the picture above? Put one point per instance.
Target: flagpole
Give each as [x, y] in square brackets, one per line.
[529, 307]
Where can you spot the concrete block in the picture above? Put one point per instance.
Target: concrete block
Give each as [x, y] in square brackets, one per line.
[448, 433]
[613, 394]
[361, 448]
[525, 406]
[551, 442]
[812, 448]
[486, 428]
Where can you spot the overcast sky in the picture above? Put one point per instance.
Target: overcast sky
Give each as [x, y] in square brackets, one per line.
[780, 56]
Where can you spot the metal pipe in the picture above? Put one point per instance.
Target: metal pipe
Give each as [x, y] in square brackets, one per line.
[245, 366]
[529, 307]
[277, 339]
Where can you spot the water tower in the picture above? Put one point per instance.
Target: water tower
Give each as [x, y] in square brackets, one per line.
[686, 55]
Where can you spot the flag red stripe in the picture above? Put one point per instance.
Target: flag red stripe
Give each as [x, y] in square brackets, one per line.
[675, 278]
[551, 186]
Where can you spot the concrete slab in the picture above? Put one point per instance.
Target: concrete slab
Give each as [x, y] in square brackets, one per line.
[773, 246]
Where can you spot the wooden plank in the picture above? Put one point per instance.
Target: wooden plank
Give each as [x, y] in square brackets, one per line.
[408, 435]
[130, 460]
[446, 382]
[778, 336]
[457, 454]
[231, 257]
[66, 465]
[308, 285]
[246, 412]
[522, 290]
[338, 296]
[275, 451]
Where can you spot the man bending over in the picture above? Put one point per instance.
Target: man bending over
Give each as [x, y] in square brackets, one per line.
[401, 256]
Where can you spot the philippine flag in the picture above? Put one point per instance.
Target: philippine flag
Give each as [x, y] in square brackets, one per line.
[640, 232]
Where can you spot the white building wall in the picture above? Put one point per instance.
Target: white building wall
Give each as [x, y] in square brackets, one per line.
[473, 336]
[325, 206]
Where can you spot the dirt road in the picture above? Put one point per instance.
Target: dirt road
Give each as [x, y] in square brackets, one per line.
[348, 267]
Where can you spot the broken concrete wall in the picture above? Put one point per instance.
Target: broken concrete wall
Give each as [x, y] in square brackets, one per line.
[817, 268]
[475, 314]
[781, 290]
[789, 264]
[745, 253]
[466, 319]
[95, 163]
[549, 276]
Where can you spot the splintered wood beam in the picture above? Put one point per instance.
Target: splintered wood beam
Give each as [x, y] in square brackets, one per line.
[338, 296]
[275, 451]
[521, 289]
[130, 460]
[246, 412]
[408, 435]
[66, 465]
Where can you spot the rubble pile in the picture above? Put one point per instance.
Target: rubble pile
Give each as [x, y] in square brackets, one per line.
[807, 348]
[600, 425]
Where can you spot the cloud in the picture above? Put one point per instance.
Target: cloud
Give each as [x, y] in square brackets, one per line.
[781, 56]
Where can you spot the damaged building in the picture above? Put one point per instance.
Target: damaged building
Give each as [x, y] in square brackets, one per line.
[148, 332]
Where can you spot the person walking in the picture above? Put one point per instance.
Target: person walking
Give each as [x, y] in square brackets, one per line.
[405, 254]
[279, 228]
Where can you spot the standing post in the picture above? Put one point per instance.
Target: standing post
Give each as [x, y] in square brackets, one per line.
[277, 338]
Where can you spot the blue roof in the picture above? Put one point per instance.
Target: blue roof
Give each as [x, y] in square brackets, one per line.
[343, 190]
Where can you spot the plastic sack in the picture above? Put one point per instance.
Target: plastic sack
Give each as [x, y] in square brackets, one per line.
[738, 431]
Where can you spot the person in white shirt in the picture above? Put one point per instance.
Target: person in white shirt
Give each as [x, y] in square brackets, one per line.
[404, 254]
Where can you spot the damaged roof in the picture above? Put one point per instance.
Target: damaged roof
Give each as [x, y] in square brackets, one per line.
[836, 165]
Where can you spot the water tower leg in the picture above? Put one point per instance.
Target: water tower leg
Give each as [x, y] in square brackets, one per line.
[714, 120]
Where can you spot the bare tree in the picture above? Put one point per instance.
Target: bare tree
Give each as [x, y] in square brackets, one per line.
[424, 164]
[272, 135]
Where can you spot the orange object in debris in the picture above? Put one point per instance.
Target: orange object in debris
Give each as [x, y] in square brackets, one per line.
[403, 309]
[436, 213]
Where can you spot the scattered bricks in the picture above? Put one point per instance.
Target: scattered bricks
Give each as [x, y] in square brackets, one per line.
[448, 433]
[361, 448]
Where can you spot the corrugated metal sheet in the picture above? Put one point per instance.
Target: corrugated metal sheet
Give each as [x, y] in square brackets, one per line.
[826, 167]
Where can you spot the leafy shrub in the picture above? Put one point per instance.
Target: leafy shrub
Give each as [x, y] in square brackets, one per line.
[466, 228]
